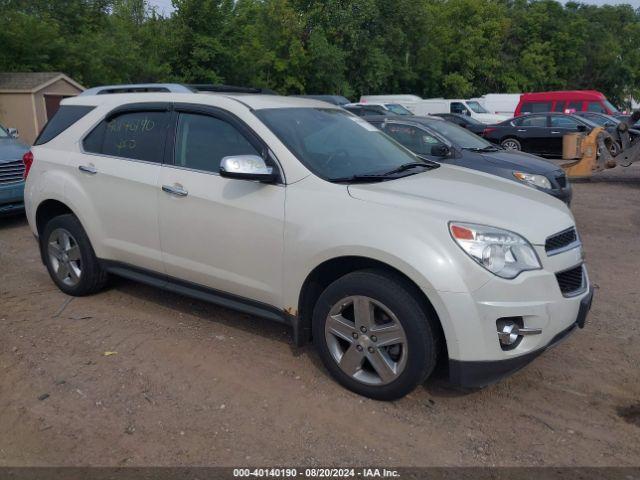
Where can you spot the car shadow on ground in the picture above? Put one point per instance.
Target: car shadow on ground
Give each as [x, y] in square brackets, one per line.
[8, 222]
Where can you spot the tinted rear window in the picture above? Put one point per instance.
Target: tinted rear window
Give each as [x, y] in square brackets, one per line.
[135, 135]
[66, 116]
[535, 107]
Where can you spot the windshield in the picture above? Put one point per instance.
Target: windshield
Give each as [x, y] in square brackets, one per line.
[397, 109]
[333, 143]
[610, 107]
[3, 132]
[459, 136]
[476, 107]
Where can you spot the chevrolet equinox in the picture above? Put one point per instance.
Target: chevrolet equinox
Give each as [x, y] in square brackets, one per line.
[298, 211]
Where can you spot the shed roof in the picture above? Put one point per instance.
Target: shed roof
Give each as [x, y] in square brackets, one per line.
[27, 82]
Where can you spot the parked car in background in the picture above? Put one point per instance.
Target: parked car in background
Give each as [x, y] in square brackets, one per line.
[444, 142]
[500, 103]
[364, 109]
[431, 106]
[11, 171]
[464, 121]
[300, 212]
[565, 102]
[539, 133]
[332, 99]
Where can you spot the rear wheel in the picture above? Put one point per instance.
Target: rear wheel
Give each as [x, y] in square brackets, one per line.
[511, 144]
[69, 257]
[373, 335]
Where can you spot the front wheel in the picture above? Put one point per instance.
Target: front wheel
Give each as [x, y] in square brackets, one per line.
[374, 336]
[511, 144]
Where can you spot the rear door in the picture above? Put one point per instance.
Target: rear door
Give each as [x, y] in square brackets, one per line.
[533, 132]
[118, 171]
[220, 233]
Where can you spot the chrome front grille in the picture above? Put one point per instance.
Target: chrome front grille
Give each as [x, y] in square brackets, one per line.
[11, 172]
[562, 241]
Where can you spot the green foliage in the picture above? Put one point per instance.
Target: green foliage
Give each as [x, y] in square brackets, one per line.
[454, 48]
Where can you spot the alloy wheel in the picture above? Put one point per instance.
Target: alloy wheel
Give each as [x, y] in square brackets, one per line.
[64, 256]
[366, 340]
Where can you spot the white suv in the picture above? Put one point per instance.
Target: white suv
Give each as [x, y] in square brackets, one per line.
[300, 212]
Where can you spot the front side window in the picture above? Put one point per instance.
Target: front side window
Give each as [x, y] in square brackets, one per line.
[457, 107]
[560, 121]
[596, 107]
[415, 139]
[333, 144]
[135, 135]
[476, 107]
[203, 141]
[458, 136]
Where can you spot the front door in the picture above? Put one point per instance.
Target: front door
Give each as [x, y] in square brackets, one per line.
[221, 233]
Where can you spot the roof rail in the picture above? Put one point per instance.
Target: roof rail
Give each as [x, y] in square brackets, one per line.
[207, 87]
[173, 87]
[137, 88]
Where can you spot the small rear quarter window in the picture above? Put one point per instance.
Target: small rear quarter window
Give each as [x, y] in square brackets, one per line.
[66, 116]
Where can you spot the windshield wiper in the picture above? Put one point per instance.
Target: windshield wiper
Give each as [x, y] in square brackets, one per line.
[488, 148]
[408, 166]
[380, 177]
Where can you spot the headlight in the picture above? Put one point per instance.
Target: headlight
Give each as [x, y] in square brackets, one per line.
[532, 179]
[503, 253]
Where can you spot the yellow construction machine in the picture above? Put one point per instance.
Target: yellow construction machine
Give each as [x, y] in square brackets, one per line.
[598, 150]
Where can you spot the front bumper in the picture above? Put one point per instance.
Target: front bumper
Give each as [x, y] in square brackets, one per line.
[474, 374]
[11, 198]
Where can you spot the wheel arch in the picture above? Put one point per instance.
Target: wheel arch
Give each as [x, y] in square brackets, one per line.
[332, 269]
[48, 209]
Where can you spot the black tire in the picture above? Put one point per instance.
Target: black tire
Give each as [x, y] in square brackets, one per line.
[516, 145]
[93, 277]
[422, 337]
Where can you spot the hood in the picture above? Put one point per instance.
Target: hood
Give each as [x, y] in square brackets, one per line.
[514, 160]
[456, 193]
[11, 150]
[490, 118]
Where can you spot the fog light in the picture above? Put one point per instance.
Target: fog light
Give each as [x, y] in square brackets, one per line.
[511, 330]
[508, 333]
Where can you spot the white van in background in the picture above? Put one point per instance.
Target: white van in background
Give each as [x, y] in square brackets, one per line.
[429, 106]
[499, 103]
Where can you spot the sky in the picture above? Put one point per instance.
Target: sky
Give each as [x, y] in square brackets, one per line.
[164, 6]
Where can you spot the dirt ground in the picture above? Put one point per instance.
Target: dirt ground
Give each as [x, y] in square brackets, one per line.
[194, 384]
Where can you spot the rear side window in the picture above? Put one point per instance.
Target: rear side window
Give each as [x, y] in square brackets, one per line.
[559, 106]
[596, 107]
[203, 141]
[531, 121]
[134, 135]
[575, 106]
[66, 116]
[535, 107]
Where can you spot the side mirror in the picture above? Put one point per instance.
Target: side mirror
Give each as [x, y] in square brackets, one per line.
[247, 167]
[582, 128]
[440, 150]
[13, 132]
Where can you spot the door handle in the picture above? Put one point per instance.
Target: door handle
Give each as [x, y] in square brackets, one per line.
[554, 132]
[522, 129]
[176, 190]
[90, 169]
